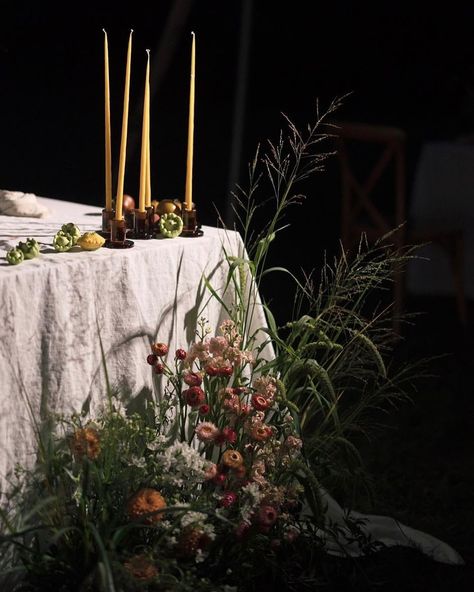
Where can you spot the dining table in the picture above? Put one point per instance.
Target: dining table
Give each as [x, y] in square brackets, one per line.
[75, 323]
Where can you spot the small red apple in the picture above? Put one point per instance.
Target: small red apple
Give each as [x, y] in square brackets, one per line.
[128, 202]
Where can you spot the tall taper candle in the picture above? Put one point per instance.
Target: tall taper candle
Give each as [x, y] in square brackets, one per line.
[108, 141]
[188, 195]
[144, 154]
[123, 143]
[148, 156]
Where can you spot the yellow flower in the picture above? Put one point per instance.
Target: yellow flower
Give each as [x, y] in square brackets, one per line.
[85, 442]
[146, 501]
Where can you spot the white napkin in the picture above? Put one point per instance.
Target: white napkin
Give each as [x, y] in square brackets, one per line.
[16, 203]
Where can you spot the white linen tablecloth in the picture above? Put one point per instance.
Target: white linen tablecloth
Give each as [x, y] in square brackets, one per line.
[54, 307]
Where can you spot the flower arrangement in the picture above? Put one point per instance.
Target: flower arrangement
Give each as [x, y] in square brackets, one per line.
[214, 482]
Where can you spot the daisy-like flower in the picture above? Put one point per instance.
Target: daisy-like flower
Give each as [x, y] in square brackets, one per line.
[206, 431]
[144, 502]
[85, 442]
[141, 568]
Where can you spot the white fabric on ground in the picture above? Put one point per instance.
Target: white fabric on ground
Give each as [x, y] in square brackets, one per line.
[17, 203]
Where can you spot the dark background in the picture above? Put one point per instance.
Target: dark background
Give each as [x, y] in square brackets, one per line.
[404, 64]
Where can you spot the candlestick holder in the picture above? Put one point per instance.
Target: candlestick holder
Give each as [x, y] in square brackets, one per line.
[118, 232]
[191, 228]
[129, 216]
[107, 216]
[150, 220]
[141, 227]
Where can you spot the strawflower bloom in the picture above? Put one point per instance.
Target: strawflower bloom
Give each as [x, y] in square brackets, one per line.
[259, 402]
[159, 349]
[206, 431]
[194, 396]
[210, 471]
[180, 354]
[85, 442]
[144, 502]
[261, 432]
[232, 459]
[267, 515]
[227, 435]
[228, 499]
[141, 568]
[204, 409]
[192, 378]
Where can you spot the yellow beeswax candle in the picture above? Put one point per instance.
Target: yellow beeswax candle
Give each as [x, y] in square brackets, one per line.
[148, 156]
[188, 194]
[123, 143]
[145, 136]
[108, 142]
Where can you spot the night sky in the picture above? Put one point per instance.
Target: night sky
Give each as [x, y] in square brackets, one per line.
[407, 66]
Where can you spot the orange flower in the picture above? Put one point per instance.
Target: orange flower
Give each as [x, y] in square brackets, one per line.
[260, 432]
[232, 459]
[191, 540]
[144, 502]
[85, 442]
[141, 568]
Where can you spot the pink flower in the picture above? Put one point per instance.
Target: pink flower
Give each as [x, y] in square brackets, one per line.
[204, 409]
[293, 443]
[267, 515]
[194, 396]
[228, 499]
[219, 367]
[261, 432]
[199, 350]
[151, 359]
[180, 354]
[211, 471]
[259, 402]
[206, 431]
[192, 378]
[217, 345]
[265, 386]
[242, 529]
[158, 368]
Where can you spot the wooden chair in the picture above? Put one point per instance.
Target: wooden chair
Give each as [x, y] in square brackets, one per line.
[377, 205]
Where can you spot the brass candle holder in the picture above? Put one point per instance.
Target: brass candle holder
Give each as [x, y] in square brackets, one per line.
[118, 232]
[191, 228]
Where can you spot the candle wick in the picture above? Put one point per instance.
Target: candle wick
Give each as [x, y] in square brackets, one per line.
[148, 51]
[104, 31]
[131, 31]
[192, 33]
